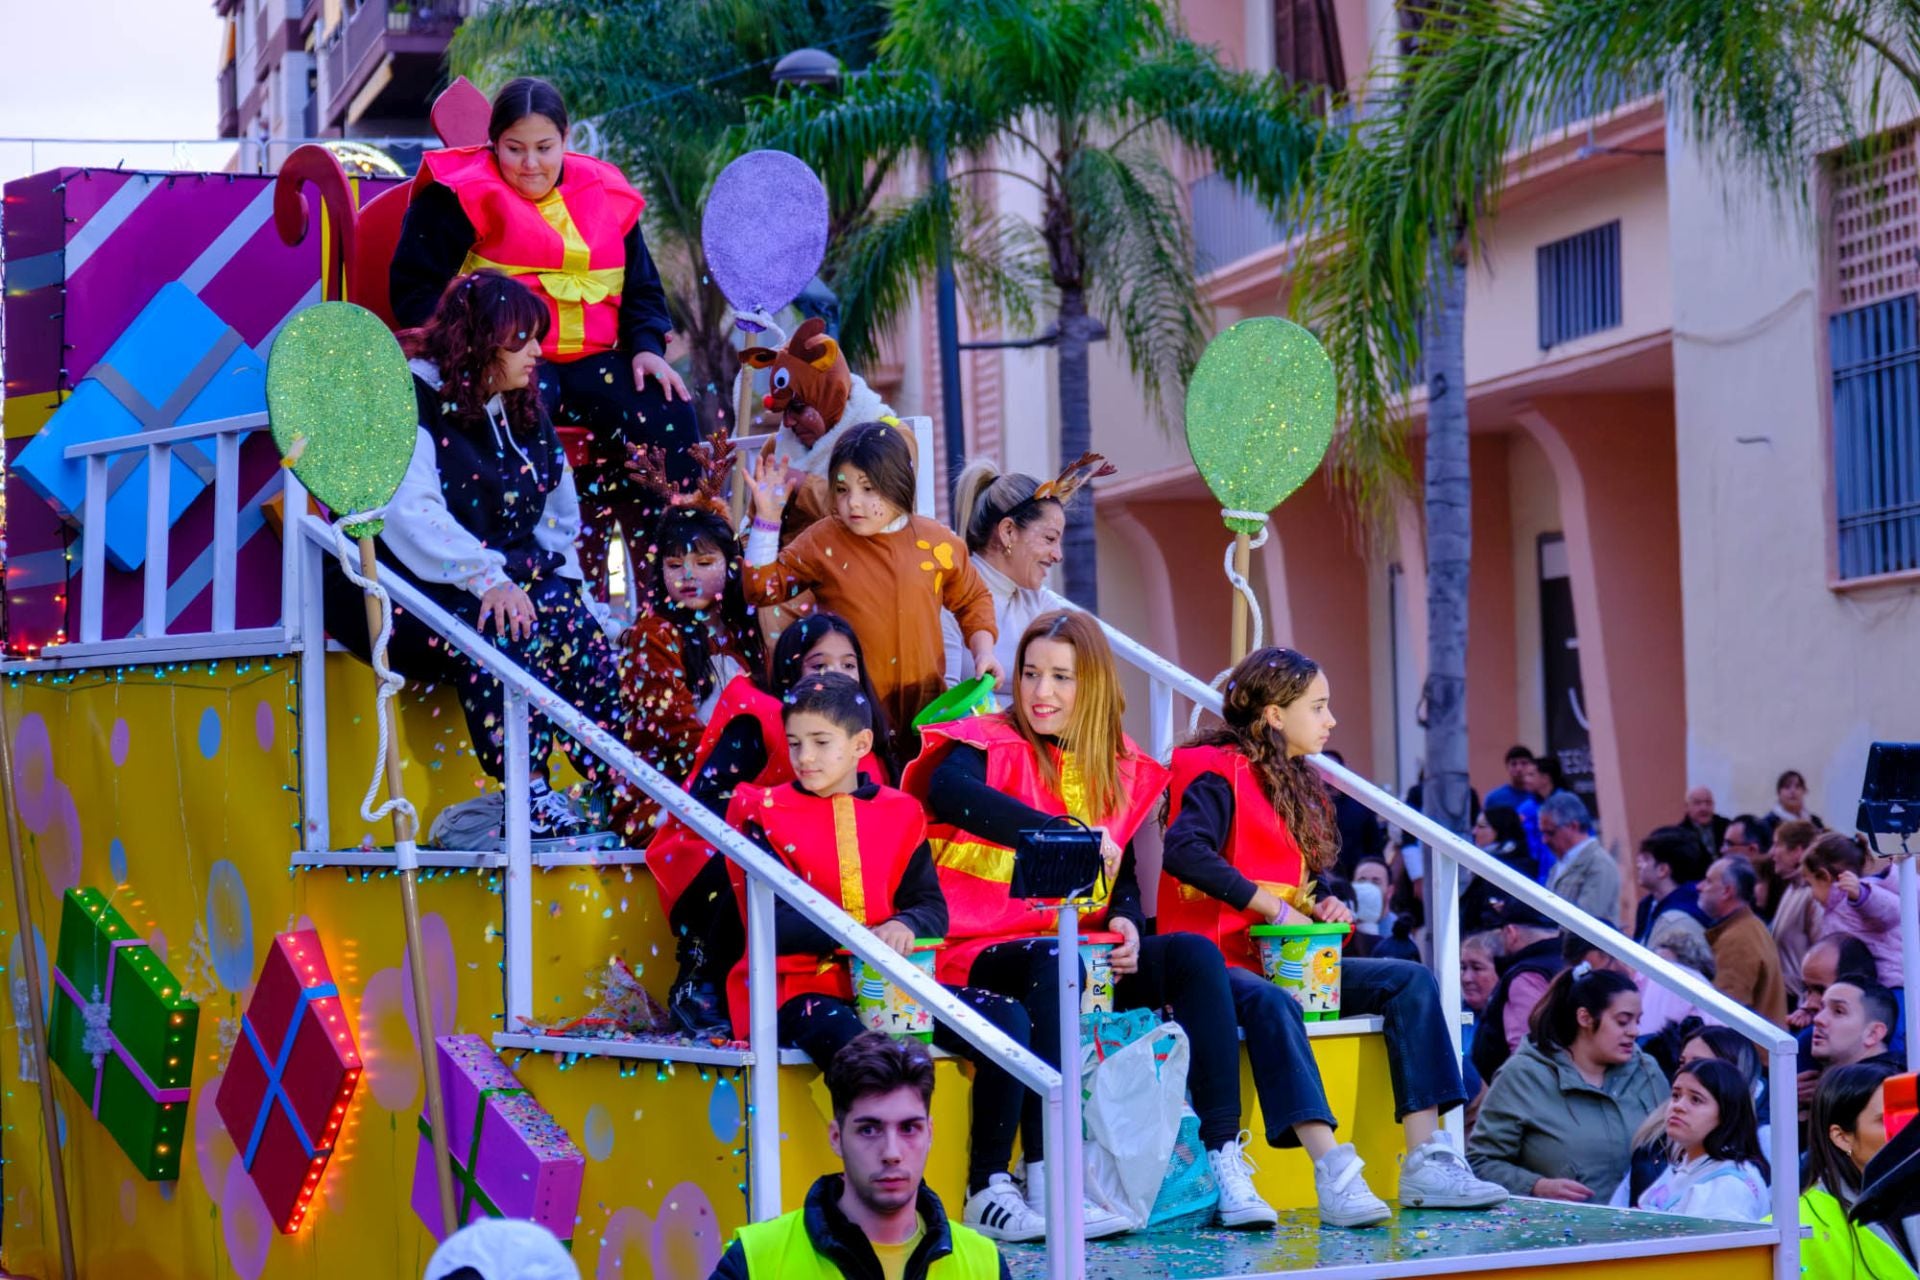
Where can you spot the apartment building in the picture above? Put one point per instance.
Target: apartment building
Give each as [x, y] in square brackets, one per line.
[1695, 449]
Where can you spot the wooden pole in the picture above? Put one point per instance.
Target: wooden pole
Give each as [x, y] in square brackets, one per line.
[742, 421]
[1242, 562]
[36, 1029]
[404, 832]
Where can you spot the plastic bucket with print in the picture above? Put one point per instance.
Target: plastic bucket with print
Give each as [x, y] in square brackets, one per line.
[1304, 960]
[968, 698]
[1096, 993]
[885, 1007]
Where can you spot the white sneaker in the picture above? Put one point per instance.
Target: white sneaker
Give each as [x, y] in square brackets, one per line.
[1097, 1222]
[1435, 1176]
[999, 1212]
[1345, 1199]
[1240, 1204]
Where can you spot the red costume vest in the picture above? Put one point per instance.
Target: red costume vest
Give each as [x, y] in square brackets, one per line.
[1258, 845]
[676, 853]
[975, 873]
[853, 851]
[569, 246]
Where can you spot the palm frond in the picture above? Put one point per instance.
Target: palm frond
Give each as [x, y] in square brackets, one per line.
[1137, 251]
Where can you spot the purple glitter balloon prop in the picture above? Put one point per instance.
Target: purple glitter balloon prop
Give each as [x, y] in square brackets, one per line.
[765, 230]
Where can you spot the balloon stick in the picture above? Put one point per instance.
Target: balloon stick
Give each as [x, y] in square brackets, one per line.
[1242, 561]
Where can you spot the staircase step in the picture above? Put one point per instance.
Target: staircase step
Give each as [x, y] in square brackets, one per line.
[381, 858]
[1530, 1234]
[638, 1050]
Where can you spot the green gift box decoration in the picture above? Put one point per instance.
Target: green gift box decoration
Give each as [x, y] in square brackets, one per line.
[122, 1032]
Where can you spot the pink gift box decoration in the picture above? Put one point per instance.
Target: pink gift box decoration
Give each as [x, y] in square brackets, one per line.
[87, 251]
[511, 1159]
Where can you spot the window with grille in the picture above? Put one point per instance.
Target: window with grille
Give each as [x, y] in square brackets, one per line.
[1874, 221]
[1579, 285]
[1875, 351]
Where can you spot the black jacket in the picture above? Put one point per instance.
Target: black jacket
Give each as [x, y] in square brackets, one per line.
[845, 1245]
[1490, 1051]
[436, 236]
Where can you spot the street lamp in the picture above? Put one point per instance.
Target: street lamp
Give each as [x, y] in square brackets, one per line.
[818, 67]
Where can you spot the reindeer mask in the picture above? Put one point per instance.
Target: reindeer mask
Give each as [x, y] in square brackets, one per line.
[810, 382]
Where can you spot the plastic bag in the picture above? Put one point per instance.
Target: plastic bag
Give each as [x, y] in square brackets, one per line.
[1188, 1194]
[1133, 1094]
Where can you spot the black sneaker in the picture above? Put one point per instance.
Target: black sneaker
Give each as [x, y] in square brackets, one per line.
[696, 1005]
[555, 821]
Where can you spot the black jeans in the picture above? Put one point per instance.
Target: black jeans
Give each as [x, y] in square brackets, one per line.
[567, 652]
[820, 1027]
[597, 392]
[1180, 970]
[1420, 1057]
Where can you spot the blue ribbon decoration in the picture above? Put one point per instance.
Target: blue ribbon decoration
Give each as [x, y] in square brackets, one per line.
[275, 1091]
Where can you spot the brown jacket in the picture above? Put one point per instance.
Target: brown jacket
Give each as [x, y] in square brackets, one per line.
[1747, 965]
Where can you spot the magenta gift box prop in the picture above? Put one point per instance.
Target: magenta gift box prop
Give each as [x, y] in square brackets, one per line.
[510, 1158]
[87, 251]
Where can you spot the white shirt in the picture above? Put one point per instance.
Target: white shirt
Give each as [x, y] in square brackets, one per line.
[1014, 607]
[1709, 1188]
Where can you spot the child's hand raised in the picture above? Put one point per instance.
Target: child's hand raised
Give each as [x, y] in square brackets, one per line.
[1849, 884]
[895, 935]
[768, 482]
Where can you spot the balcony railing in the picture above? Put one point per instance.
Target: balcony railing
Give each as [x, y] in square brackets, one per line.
[350, 49]
[1228, 224]
[229, 101]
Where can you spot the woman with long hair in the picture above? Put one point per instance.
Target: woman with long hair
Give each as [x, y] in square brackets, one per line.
[1558, 1120]
[743, 742]
[485, 521]
[1716, 1168]
[1249, 828]
[567, 226]
[1845, 1130]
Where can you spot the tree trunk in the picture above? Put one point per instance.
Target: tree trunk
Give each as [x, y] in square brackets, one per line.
[1076, 437]
[1445, 791]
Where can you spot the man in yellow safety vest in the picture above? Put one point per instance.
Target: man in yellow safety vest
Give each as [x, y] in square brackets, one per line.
[877, 1220]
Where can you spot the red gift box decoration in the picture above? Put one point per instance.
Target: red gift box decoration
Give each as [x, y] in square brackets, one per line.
[287, 1090]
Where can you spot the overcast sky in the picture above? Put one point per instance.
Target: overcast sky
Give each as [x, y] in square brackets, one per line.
[108, 69]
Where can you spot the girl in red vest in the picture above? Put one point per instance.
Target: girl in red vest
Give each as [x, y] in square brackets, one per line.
[743, 743]
[1249, 823]
[1060, 750]
[568, 227]
[864, 846]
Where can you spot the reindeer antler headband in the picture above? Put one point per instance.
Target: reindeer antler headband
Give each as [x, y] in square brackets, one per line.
[1060, 489]
[715, 457]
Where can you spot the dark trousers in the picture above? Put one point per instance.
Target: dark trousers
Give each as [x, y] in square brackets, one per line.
[1420, 1057]
[1179, 970]
[567, 651]
[597, 392]
[820, 1027]
[709, 935]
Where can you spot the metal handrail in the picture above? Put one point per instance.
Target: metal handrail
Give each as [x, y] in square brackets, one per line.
[1456, 853]
[767, 878]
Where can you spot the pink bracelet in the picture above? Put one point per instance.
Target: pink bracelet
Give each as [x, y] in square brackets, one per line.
[768, 526]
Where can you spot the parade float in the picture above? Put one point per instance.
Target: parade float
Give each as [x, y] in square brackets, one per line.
[239, 1038]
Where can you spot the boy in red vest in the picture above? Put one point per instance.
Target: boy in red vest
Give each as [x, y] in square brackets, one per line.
[864, 846]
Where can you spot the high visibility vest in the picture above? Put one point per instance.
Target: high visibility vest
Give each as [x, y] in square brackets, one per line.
[853, 851]
[1259, 846]
[569, 246]
[676, 853]
[974, 872]
[781, 1248]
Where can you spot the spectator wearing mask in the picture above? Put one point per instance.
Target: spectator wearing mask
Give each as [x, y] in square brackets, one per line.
[1702, 823]
[1531, 943]
[1747, 963]
[1865, 909]
[1796, 921]
[1558, 1121]
[1500, 833]
[1845, 1131]
[1668, 870]
[1584, 873]
[1678, 937]
[1855, 1024]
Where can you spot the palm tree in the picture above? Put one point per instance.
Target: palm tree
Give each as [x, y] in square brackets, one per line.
[1769, 83]
[1079, 100]
[662, 82]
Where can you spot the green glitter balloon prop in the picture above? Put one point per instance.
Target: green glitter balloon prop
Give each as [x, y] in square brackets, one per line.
[340, 402]
[1260, 411]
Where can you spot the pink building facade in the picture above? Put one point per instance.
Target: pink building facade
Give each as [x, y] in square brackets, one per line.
[1660, 484]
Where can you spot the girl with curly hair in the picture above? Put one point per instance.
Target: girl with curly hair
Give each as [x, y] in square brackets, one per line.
[1249, 826]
